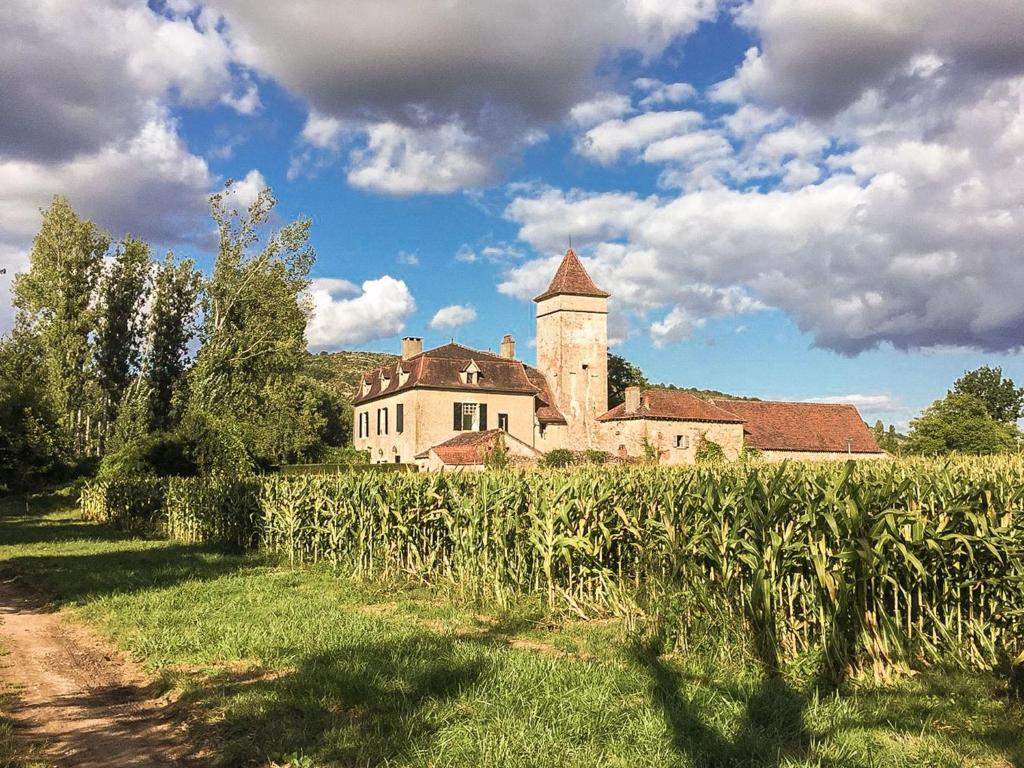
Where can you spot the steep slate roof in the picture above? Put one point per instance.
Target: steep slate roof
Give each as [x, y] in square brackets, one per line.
[778, 426]
[673, 405]
[573, 279]
[467, 448]
[440, 368]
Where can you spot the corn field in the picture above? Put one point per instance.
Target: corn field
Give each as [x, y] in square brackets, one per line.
[872, 565]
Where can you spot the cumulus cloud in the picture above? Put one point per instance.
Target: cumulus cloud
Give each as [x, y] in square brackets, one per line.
[604, 106]
[345, 314]
[453, 316]
[847, 49]
[149, 185]
[398, 160]
[77, 76]
[658, 93]
[607, 142]
[440, 101]
[408, 258]
[244, 191]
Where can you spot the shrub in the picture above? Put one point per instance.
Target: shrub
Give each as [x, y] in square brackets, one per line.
[708, 451]
[596, 457]
[161, 454]
[557, 457]
[497, 457]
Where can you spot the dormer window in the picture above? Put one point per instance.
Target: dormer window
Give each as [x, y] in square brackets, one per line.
[471, 373]
[403, 376]
[384, 380]
[366, 387]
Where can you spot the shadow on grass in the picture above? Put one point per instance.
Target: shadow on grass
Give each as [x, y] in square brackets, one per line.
[772, 731]
[107, 562]
[367, 703]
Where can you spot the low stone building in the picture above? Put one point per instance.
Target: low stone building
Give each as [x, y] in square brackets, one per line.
[443, 407]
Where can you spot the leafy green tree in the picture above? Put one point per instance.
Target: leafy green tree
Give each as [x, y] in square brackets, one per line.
[295, 421]
[31, 444]
[171, 328]
[254, 318]
[1003, 399]
[119, 331]
[54, 299]
[958, 423]
[622, 374]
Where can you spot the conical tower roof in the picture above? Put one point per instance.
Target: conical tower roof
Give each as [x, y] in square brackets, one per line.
[571, 278]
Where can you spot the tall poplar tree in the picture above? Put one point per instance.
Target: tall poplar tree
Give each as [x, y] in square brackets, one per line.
[54, 301]
[123, 290]
[171, 328]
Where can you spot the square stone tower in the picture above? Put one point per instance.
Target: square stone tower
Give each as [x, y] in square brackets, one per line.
[572, 348]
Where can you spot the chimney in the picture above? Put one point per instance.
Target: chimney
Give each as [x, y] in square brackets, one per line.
[411, 345]
[508, 347]
[632, 399]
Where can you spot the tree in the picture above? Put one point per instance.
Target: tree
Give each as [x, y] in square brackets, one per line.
[1002, 398]
[171, 328]
[958, 423]
[54, 300]
[254, 318]
[622, 374]
[123, 290]
[31, 444]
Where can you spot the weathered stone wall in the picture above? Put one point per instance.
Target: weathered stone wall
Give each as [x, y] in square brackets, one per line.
[572, 352]
[626, 438]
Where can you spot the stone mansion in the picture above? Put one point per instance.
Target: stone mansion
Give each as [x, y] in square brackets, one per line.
[446, 407]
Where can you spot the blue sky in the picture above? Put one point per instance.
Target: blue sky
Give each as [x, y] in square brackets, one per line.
[786, 198]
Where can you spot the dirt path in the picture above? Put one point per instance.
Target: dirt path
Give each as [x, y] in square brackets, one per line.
[84, 700]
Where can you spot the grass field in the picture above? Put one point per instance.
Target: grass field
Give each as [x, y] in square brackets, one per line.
[301, 666]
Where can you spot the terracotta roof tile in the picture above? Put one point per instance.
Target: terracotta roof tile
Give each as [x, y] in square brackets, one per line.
[466, 448]
[573, 279]
[441, 368]
[779, 426]
[674, 405]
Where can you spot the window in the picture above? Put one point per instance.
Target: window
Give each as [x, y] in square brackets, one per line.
[469, 417]
[399, 418]
[382, 421]
[682, 441]
[398, 459]
[470, 414]
[503, 422]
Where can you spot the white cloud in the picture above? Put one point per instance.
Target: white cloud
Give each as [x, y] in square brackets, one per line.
[322, 131]
[244, 191]
[605, 143]
[149, 185]
[345, 314]
[78, 76]
[402, 161]
[12, 261]
[453, 316]
[408, 258]
[438, 108]
[604, 106]
[659, 93]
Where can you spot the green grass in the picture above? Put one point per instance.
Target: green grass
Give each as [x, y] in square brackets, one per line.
[304, 665]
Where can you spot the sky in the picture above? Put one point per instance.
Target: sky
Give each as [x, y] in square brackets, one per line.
[789, 199]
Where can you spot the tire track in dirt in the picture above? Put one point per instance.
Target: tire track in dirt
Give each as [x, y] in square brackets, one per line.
[85, 701]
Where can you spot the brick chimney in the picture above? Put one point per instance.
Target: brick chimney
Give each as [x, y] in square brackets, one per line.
[632, 399]
[508, 347]
[411, 345]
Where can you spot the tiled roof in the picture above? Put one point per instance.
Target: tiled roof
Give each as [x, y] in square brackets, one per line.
[778, 426]
[573, 279]
[466, 448]
[441, 368]
[546, 412]
[674, 405]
